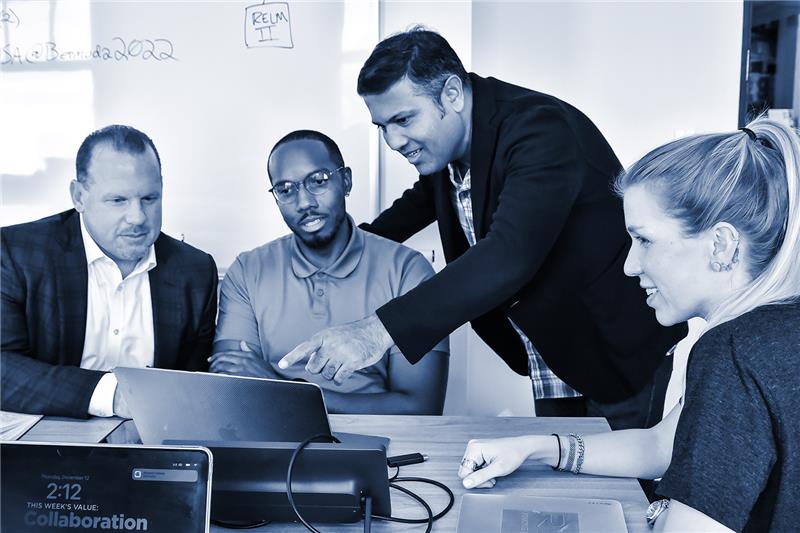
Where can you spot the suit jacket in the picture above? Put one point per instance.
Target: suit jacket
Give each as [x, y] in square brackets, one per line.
[551, 243]
[44, 301]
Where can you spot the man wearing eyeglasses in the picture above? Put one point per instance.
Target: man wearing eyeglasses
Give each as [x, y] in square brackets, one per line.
[326, 272]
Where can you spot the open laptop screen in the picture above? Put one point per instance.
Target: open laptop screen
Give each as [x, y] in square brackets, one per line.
[73, 487]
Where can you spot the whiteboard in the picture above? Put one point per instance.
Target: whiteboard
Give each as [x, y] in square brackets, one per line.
[214, 84]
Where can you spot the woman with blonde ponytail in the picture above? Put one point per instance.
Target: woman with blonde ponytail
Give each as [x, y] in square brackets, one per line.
[715, 227]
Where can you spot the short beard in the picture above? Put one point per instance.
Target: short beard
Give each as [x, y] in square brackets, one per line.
[316, 241]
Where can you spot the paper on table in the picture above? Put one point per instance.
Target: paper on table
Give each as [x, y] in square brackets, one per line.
[14, 425]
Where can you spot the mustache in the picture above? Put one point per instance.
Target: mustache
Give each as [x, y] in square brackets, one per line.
[135, 231]
[308, 215]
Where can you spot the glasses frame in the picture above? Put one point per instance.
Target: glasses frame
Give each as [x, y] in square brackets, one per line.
[296, 184]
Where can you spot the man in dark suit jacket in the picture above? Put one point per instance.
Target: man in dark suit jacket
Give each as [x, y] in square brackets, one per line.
[519, 184]
[57, 341]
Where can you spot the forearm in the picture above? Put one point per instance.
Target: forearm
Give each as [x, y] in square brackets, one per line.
[392, 403]
[627, 453]
[31, 386]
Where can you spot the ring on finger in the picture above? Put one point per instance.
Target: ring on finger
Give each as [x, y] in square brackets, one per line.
[469, 464]
[329, 371]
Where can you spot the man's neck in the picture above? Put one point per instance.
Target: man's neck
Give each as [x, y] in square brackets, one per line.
[327, 255]
[125, 267]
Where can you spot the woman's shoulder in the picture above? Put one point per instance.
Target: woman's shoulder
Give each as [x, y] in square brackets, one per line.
[766, 319]
[768, 336]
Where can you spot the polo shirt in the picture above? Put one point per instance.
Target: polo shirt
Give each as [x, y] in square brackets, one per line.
[273, 297]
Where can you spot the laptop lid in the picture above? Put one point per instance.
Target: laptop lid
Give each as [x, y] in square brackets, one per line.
[97, 487]
[534, 514]
[178, 405]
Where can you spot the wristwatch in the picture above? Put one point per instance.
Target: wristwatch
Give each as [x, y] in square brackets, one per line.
[654, 511]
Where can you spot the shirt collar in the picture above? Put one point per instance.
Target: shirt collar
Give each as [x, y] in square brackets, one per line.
[344, 265]
[460, 183]
[95, 253]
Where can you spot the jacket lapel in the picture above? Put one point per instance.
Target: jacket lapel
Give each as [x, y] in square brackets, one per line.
[484, 133]
[167, 319]
[454, 242]
[72, 287]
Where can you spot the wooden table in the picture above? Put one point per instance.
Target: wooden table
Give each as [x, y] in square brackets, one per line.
[443, 439]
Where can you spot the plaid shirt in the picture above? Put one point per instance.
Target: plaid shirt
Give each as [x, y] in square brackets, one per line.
[545, 383]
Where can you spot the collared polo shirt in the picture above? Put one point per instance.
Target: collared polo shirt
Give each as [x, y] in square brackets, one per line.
[273, 297]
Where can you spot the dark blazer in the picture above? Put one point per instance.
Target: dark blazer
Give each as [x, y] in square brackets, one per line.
[551, 243]
[44, 300]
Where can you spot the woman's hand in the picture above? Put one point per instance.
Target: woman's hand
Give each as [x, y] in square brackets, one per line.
[486, 459]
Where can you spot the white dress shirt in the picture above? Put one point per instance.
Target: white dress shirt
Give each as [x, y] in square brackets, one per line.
[119, 320]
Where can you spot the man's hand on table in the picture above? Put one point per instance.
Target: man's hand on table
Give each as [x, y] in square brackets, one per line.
[339, 351]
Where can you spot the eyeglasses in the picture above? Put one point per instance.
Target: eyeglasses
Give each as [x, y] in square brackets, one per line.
[317, 183]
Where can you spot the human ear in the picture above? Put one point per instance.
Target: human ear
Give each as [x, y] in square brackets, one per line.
[347, 180]
[77, 191]
[453, 93]
[725, 247]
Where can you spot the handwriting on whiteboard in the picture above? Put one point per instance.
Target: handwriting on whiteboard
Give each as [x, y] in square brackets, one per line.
[268, 24]
[7, 16]
[119, 50]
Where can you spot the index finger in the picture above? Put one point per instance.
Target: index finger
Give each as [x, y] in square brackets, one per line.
[300, 353]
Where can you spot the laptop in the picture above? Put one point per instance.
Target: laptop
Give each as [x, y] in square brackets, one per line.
[104, 487]
[533, 514]
[199, 406]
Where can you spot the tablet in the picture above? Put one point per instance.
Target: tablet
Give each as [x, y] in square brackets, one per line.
[104, 487]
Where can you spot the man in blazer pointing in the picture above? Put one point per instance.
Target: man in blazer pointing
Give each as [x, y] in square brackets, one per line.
[519, 185]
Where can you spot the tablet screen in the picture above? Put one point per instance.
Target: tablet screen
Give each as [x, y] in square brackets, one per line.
[50, 487]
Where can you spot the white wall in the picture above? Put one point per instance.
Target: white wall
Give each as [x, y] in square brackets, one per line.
[644, 72]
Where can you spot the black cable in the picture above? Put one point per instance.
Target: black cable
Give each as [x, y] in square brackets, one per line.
[431, 517]
[322, 437]
[422, 502]
[437, 484]
[368, 516]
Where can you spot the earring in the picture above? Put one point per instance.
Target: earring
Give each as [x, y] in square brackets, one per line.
[719, 267]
